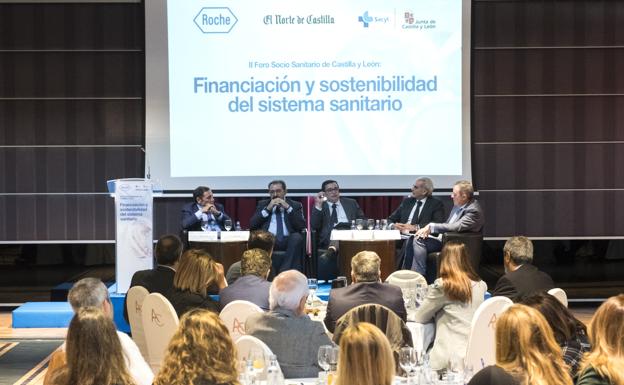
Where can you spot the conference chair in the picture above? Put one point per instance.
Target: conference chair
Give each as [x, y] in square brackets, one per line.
[406, 279]
[234, 315]
[160, 322]
[560, 294]
[473, 243]
[134, 305]
[250, 347]
[481, 349]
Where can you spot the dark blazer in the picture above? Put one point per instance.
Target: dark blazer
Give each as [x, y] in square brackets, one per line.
[184, 300]
[190, 222]
[432, 211]
[320, 219]
[248, 288]
[294, 221]
[523, 281]
[158, 280]
[346, 298]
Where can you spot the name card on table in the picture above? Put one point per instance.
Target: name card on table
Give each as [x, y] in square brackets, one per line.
[362, 235]
[232, 236]
[203, 236]
[341, 235]
[386, 234]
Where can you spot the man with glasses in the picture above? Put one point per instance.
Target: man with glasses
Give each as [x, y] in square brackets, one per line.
[283, 218]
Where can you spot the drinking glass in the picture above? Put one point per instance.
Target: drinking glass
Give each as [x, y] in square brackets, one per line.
[205, 225]
[333, 358]
[359, 224]
[227, 224]
[406, 359]
[370, 224]
[312, 287]
[323, 356]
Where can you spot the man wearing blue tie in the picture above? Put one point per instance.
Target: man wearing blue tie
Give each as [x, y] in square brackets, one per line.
[283, 218]
[203, 213]
[465, 217]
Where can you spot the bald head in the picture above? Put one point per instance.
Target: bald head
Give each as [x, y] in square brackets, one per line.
[287, 291]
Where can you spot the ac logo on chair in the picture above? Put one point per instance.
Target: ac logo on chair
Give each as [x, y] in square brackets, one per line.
[156, 318]
[238, 327]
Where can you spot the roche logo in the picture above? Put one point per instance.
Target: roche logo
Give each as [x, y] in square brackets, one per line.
[215, 20]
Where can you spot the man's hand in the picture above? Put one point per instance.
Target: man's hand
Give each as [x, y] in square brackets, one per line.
[319, 199]
[277, 202]
[424, 232]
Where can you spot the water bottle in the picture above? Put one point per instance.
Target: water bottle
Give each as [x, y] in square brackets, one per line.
[237, 227]
[274, 374]
[353, 224]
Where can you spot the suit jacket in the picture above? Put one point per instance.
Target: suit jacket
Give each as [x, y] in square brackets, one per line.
[248, 288]
[158, 280]
[190, 222]
[294, 221]
[523, 281]
[346, 298]
[320, 219]
[295, 340]
[471, 220]
[432, 211]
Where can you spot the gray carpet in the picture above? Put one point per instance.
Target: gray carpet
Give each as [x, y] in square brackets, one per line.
[18, 357]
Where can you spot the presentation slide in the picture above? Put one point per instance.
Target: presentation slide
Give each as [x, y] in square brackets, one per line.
[372, 93]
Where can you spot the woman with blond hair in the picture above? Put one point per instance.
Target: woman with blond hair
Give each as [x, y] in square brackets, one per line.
[197, 276]
[526, 352]
[604, 364]
[200, 352]
[93, 353]
[365, 357]
[451, 303]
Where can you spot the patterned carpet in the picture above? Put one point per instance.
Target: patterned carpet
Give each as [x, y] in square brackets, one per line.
[24, 362]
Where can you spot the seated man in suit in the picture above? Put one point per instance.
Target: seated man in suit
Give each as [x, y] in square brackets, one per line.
[283, 218]
[204, 211]
[415, 212]
[521, 277]
[160, 279]
[258, 239]
[252, 286]
[330, 209]
[366, 288]
[290, 334]
[465, 217]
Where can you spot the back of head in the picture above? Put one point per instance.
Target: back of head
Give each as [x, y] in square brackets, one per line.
[606, 334]
[260, 239]
[168, 250]
[287, 290]
[196, 272]
[519, 249]
[94, 353]
[563, 324]
[87, 292]
[200, 350]
[365, 266]
[457, 272]
[255, 262]
[526, 347]
[365, 356]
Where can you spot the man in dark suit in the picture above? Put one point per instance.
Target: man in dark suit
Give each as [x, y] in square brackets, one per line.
[414, 212]
[252, 286]
[465, 217]
[160, 279]
[330, 209]
[204, 210]
[283, 218]
[366, 288]
[521, 277]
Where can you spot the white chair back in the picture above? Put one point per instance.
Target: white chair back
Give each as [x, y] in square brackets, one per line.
[406, 279]
[560, 294]
[234, 315]
[160, 321]
[248, 345]
[481, 350]
[134, 303]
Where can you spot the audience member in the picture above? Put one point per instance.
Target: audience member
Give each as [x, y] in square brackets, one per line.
[416, 211]
[465, 217]
[451, 303]
[200, 352]
[253, 285]
[197, 272]
[93, 353]
[283, 218]
[258, 239]
[570, 333]
[290, 334]
[366, 288]
[365, 357]
[160, 279]
[204, 210]
[526, 352]
[604, 364]
[521, 277]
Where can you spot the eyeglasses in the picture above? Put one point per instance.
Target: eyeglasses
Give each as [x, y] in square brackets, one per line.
[331, 189]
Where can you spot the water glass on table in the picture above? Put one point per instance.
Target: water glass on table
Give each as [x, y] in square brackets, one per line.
[227, 224]
[312, 288]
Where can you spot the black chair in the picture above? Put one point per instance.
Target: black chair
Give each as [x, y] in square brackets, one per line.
[473, 243]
